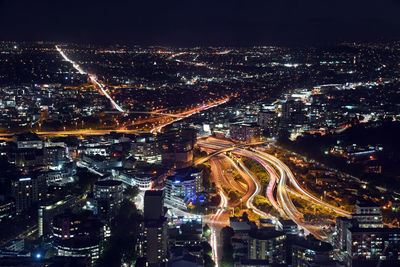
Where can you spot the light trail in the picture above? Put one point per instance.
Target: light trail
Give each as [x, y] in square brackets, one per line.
[216, 217]
[296, 184]
[92, 78]
[273, 178]
[157, 113]
[190, 113]
[285, 171]
[285, 204]
[249, 202]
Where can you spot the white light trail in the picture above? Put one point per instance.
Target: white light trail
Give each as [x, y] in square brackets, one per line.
[93, 79]
[296, 184]
[283, 197]
[158, 128]
[214, 243]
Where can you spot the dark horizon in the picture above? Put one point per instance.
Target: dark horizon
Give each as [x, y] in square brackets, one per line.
[205, 23]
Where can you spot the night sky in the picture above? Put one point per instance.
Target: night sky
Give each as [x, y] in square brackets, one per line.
[201, 22]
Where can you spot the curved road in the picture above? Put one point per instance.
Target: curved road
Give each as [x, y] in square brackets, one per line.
[284, 203]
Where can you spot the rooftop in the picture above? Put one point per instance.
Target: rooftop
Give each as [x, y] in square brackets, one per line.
[108, 183]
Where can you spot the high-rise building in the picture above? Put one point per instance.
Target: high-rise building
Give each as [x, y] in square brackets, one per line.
[153, 204]
[342, 224]
[27, 190]
[77, 235]
[177, 147]
[146, 147]
[290, 108]
[368, 215]
[154, 239]
[363, 240]
[245, 132]
[183, 187]
[372, 244]
[46, 213]
[54, 156]
[268, 120]
[108, 196]
[267, 245]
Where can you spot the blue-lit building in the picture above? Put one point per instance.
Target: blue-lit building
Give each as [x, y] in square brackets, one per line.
[183, 187]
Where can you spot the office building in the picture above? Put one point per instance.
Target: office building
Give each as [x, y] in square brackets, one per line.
[153, 205]
[55, 156]
[46, 213]
[311, 252]
[7, 209]
[108, 195]
[372, 244]
[28, 140]
[77, 235]
[183, 187]
[267, 245]
[268, 121]
[177, 147]
[245, 132]
[146, 147]
[153, 242]
[27, 190]
[368, 215]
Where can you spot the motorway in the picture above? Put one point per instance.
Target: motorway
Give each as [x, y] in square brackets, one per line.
[92, 78]
[157, 129]
[191, 112]
[278, 184]
[223, 179]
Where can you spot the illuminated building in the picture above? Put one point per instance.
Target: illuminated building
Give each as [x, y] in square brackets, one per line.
[311, 252]
[154, 239]
[14, 249]
[363, 240]
[268, 120]
[183, 187]
[7, 209]
[368, 215]
[77, 235]
[177, 147]
[340, 239]
[267, 245]
[245, 132]
[292, 112]
[47, 212]
[108, 197]
[372, 244]
[144, 181]
[288, 226]
[186, 233]
[27, 190]
[55, 156]
[28, 140]
[26, 158]
[102, 163]
[146, 147]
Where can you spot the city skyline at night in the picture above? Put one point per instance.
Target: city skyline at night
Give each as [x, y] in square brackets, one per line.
[199, 133]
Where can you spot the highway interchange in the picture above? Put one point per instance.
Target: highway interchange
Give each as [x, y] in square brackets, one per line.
[282, 184]
[279, 189]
